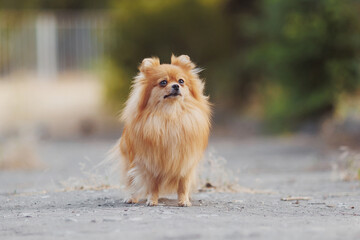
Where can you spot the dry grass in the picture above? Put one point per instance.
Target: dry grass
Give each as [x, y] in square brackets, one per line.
[105, 175]
[94, 178]
[19, 153]
[347, 166]
[348, 106]
[342, 128]
[214, 176]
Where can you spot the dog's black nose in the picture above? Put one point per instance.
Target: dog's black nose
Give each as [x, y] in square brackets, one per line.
[175, 86]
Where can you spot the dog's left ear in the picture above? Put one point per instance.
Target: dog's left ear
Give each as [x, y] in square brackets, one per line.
[182, 61]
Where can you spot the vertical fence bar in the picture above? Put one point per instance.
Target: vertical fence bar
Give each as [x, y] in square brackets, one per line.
[48, 43]
[46, 46]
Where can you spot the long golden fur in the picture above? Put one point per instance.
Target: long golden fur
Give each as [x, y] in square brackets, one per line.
[166, 130]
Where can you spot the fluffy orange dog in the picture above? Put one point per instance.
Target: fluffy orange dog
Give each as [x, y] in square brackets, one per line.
[167, 122]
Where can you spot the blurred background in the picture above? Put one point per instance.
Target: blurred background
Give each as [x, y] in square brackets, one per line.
[272, 67]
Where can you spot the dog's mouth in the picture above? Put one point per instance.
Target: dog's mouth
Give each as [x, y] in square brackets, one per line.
[175, 94]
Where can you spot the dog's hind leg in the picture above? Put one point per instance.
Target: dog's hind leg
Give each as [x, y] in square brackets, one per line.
[133, 196]
[133, 179]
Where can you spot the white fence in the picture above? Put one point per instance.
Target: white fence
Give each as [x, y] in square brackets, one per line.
[48, 43]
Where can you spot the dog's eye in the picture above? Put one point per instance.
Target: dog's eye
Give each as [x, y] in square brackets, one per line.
[163, 83]
[181, 81]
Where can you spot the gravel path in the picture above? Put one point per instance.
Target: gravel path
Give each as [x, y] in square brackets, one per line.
[33, 206]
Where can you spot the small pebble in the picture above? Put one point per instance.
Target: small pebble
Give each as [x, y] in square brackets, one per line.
[112, 219]
[71, 220]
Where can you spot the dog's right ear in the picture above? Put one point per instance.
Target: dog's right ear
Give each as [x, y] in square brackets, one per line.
[148, 63]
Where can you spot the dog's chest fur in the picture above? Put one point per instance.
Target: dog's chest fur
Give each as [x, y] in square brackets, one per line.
[170, 142]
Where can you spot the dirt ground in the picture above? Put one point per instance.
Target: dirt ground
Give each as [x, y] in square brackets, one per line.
[34, 205]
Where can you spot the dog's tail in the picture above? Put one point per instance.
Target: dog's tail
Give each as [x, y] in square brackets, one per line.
[111, 166]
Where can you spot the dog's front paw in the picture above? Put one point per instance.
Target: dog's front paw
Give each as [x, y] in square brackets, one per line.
[184, 203]
[151, 203]
[131, 200]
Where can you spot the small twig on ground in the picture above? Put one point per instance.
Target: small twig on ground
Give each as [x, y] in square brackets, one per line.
[295, 198]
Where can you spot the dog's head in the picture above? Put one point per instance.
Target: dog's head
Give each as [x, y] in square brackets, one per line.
[164, 84]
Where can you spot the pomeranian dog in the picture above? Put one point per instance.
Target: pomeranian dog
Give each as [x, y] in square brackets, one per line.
[166, 129]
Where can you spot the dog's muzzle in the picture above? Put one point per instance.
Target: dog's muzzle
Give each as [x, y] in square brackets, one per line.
[175, 91]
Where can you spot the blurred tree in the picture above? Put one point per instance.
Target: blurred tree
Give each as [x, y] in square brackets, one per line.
[53, 4]
[295, 56]
[158, 28]
[308, 52]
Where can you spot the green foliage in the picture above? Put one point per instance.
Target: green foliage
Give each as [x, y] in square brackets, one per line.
[298, 55]
[159, 28]
[309, 52]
